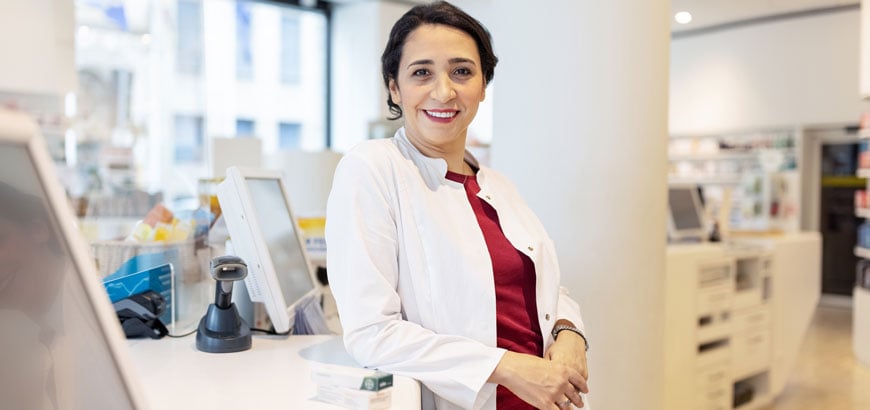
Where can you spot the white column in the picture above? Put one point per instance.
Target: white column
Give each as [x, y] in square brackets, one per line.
[580, 126]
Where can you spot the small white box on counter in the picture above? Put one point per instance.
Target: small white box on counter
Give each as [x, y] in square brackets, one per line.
[351, 377]
[354, 399]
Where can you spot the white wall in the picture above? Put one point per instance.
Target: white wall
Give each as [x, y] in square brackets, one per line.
[37, 47]
[798, 71]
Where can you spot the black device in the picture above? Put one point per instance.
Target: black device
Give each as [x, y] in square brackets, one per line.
[222, 330]
[140, 315]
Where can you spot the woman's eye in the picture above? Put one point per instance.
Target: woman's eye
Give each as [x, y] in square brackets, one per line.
[421, 72]
[463, 71]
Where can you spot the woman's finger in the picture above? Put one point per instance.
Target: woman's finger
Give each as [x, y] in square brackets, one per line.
[579, 383]
[574, 397]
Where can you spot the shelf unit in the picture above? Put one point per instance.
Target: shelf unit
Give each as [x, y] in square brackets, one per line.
[724, 345]
[706, 180]
[727, 155]
[753, 172]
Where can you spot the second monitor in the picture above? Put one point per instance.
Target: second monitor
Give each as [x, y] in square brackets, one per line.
[265, 234]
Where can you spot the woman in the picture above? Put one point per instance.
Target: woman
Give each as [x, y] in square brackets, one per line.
[439, 269]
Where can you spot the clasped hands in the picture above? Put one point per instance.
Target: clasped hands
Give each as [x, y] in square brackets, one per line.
[552, 382]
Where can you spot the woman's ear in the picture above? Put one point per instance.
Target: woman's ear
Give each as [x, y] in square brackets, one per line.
[483, 92]
[394, 91]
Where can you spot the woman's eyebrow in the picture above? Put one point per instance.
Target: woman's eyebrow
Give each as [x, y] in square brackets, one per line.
[458, 60]
[454, 60]
[421, 62]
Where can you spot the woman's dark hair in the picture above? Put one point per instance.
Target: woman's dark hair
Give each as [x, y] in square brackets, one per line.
[439, 12]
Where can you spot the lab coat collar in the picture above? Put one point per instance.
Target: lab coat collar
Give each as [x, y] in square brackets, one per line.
[433, 170]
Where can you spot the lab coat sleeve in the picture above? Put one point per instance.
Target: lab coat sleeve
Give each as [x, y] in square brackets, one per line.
[569, 309]
[362, 259]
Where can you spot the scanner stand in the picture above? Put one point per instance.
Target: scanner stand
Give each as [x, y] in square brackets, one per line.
[223, 331]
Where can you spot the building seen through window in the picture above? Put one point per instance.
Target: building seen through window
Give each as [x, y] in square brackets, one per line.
[158, 79]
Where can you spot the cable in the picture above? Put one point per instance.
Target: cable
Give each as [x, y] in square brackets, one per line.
[184, 335]
[271, 331]
[253, 329]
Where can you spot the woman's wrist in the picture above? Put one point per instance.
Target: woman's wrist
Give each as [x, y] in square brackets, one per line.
[503, 370]
[564, 327]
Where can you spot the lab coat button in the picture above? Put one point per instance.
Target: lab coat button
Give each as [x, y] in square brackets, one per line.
[531, 249]
[547, 316]
[488, 198]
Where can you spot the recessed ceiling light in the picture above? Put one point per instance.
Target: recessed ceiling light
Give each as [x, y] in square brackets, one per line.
[683, 17]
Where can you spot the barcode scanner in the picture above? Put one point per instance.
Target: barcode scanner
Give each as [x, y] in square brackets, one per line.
[226, 270]
[222, 330]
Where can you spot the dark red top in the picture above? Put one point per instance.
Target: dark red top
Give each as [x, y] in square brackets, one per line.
[517, 327]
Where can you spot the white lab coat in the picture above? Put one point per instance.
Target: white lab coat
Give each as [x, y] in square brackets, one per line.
[411, 274]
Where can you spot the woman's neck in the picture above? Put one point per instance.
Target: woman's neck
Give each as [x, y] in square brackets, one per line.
[453, 154]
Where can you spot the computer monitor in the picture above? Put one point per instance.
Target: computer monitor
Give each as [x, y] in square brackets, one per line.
[61, 345]
[685, 213]
[265, 234]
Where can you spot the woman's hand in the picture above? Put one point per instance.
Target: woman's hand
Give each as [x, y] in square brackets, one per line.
[569, 349]
[542, 383]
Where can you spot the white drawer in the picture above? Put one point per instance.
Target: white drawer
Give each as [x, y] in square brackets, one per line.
[713, 353]
[751, 353]
[715, 399]
[714, 327]
[715, 299]
[757, 318]
[714, 377]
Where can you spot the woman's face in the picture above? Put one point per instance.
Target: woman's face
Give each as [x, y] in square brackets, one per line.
[439, 86]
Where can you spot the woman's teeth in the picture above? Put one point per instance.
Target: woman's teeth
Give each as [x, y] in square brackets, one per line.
[449, 114]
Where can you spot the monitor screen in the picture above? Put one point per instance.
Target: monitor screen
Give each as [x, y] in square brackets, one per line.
[684, 208]
[279, 233]
[54, 352]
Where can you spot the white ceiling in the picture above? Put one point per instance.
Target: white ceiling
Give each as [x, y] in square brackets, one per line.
[706, 13]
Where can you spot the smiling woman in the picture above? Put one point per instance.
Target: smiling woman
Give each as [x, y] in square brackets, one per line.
[439, 269]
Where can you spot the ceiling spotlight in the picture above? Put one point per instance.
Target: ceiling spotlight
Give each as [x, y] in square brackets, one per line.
[683, 17]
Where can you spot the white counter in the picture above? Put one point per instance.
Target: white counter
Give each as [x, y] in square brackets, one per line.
[274, 374]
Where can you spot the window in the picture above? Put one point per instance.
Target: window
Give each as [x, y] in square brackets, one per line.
[289, 135]
[245, 128]
[166, 109]
[189, 57]
[188, 138]
[244, 55]
[290, 64]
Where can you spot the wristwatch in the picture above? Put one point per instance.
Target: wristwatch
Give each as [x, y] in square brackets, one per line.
[559, 328]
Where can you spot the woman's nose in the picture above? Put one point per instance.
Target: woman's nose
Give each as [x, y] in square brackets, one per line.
[443, 90]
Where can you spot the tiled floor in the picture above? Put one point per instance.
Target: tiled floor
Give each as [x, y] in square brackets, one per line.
[827, 376]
